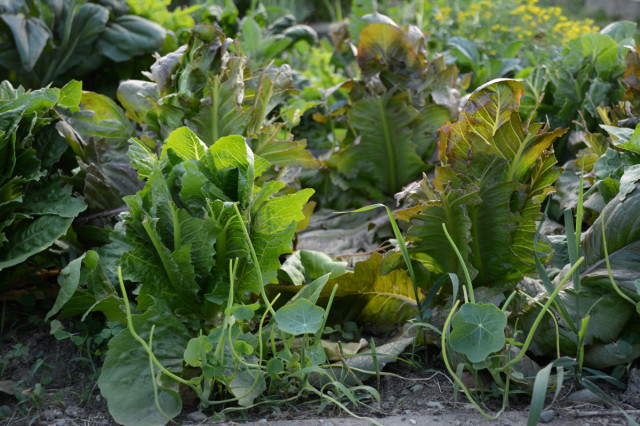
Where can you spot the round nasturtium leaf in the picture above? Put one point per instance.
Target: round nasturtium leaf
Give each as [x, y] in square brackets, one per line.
[300, 317]
[478, 331]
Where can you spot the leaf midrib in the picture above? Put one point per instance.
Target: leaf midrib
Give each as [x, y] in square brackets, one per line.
[391, 158]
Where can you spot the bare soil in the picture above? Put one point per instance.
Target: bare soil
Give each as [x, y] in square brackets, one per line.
[44, 381]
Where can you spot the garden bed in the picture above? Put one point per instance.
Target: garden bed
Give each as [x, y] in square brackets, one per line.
[430, 214]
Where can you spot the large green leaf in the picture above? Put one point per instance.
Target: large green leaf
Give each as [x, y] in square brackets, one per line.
[130, 35]
[384, 301]
[30, 36]
[300, 317]
[30, 237]
[185, 144]
[478, 331]
[622, 232]
[126, 380]
[384, 45]
[386, 153]
[430, 246]
[487, 110]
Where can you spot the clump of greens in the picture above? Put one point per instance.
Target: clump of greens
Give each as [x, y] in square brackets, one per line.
[36, 206]
[582, 77]
[495, 172]
[52, 42]
[98, 133]
[200, 235]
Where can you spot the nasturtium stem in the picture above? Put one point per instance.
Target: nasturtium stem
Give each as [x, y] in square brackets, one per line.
[464, 265]
[606, 258]
[144, 344]
[545, 308]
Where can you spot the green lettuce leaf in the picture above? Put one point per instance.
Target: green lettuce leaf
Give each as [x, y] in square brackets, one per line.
[495, 173]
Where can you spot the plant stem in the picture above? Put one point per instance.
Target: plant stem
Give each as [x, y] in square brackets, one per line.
[464, 265]
[144, 344]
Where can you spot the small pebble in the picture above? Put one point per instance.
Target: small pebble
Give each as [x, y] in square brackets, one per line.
[407, 411]
[546, 416]
[262, 421]
[584, 395]
[468, 407]
[386, 405]
[391, 398]
[435, 405]
[412, 421]
[417, 388]
[405, 392]
[197, 416]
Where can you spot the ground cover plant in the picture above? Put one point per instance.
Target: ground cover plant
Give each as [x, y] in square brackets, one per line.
[176, 214]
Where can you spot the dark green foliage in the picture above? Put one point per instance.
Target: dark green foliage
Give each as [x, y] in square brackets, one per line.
[36, 207]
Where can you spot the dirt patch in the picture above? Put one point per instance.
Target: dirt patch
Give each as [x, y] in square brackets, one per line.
[45, 381]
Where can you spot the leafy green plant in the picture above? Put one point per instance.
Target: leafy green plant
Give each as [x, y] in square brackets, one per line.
[393, 113]
[584, 76]
[70, 39]
[495, 172]
[199, 212]
[36, 206]
[605, 284]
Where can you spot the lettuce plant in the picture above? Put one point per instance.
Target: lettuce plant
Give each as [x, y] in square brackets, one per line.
[495, 172]
[199, 235]
[98, 134]
[36, 206]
